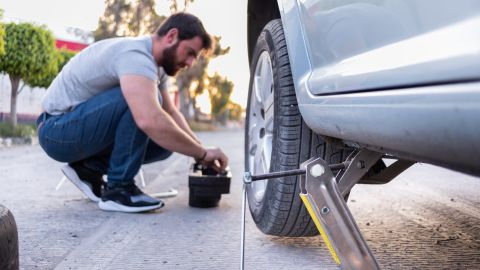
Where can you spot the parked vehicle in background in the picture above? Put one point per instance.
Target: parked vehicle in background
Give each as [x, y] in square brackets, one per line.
[330, 77]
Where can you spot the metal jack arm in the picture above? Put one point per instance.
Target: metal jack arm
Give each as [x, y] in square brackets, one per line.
[324, 199]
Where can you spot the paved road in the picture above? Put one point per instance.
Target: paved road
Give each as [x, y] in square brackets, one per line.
[429, 218]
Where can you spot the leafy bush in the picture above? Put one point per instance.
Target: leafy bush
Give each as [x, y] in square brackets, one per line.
[7, 130]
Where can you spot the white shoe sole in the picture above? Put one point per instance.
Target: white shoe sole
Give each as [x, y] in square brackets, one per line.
[71, 175]
[113, 206]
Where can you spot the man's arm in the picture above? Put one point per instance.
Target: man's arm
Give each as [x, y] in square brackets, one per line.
[177, 116]
[142, 98]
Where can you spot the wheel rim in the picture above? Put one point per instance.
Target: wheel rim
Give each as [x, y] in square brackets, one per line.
[260, 125]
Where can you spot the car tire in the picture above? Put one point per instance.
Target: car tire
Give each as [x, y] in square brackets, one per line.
[8, 240]
[279, 137]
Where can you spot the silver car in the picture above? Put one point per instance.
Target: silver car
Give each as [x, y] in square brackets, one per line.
[330, 78]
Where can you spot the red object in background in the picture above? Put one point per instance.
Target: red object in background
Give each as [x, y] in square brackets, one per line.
[70, 45]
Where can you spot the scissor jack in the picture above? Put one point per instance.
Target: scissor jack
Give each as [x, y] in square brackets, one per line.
[323, 196]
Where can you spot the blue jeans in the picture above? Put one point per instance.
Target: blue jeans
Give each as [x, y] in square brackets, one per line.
[102, 134]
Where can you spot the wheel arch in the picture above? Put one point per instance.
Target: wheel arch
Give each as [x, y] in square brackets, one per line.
[259, 13]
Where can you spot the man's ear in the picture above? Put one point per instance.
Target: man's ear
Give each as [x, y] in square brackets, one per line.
[172, 36]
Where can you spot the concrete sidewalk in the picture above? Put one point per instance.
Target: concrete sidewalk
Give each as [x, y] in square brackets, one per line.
[63, 230]
[419, 221]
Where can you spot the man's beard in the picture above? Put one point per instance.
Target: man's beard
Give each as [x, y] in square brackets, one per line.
[169, 63]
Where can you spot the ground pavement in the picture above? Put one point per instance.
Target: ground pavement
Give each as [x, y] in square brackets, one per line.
[429, 218]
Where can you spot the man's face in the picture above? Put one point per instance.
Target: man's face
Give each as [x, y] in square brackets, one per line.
[181, 54]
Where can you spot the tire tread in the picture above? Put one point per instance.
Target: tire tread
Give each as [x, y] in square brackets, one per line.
[283, 213]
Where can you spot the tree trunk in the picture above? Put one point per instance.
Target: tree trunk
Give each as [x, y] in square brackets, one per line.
[184, 99]
[186, 104]
[15, 81]
[196, 110]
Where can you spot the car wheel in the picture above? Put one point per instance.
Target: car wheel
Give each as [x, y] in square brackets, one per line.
[277, 139]
[8, 240]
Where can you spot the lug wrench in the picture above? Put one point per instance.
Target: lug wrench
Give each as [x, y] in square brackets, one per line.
[248, 178]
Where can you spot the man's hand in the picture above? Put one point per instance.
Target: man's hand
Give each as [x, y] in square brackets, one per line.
[215, 158]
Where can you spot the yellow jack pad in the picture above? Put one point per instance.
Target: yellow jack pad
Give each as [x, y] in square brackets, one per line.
[306, 198]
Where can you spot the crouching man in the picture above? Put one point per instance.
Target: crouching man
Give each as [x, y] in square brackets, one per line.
[108, 112]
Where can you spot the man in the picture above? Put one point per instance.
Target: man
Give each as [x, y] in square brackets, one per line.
[108, 112]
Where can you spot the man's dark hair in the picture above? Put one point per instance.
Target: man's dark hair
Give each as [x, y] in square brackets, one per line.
[188, 25]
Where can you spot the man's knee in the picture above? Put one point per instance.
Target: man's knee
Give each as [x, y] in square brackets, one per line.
[155, 153]
[165, 154]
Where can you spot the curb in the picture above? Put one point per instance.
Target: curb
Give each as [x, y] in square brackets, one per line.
[14, 141]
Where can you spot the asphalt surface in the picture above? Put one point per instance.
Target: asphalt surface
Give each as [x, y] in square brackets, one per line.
[428, 218]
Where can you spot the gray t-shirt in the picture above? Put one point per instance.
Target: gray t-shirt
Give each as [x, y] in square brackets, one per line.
[98, 68]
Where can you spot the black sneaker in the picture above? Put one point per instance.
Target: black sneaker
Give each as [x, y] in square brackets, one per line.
[128, 198]
[88, 181]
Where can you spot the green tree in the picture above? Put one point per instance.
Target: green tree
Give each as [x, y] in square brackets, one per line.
[127, 18]
[2, 39]
[29, 51]
[196, 76]
[175, 7]
[114, 21]
[235, 111]
[145, 19]
[45, 79]
[2, 35]
[219, 89]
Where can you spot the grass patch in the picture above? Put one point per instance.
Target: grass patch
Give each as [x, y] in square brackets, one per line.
[201, 126]
[7, 130]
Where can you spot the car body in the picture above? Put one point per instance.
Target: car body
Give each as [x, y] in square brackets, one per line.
[345, 84]
[399, 77]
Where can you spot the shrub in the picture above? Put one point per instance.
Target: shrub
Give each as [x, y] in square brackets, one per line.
[7, 130]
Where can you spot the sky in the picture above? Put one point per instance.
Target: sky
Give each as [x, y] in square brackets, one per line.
[225, 18]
